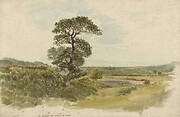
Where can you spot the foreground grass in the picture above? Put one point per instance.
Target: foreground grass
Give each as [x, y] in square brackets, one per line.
[135, 98]
[139, 99]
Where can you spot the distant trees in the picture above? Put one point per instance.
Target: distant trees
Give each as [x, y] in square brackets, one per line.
[70, 49]
[157, 72]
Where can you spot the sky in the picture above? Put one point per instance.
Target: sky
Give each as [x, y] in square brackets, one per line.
[135, 32]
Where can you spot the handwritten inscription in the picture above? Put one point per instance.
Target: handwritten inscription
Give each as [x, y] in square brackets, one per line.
[55, 115]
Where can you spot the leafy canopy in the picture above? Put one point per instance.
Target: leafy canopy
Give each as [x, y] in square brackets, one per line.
[70, 49]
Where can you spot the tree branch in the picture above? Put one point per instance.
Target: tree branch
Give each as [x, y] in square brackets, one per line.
[72, 32]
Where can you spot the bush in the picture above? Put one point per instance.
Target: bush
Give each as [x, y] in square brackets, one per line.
[126, 91]
[29, 84]
[79, 89]
[96, 74]
[146, 82]
[29, 87]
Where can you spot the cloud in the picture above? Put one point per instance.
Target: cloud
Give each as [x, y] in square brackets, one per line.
[20, 38]
[152, 29]
[138, 32]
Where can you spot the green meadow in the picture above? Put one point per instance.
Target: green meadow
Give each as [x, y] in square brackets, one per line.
[135, 97]
[28, 84]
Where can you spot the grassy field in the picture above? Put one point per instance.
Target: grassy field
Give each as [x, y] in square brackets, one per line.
[135, 97]
[152, 79]
[129, 88]
[130, 93]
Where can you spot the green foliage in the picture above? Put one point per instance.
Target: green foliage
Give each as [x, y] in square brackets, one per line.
[61, 57]
[80, 24]
[9, 97]
[30, 84]
[126, 91]
[70, 49]
[96, 74]
[28, 87]
[79, 89]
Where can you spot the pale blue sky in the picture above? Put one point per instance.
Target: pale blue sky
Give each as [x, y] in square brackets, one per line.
[135, 32]
[45, 15]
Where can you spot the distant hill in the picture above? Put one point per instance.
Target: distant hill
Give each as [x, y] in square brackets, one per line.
[116, 71]
[8, 62]
[139, 70]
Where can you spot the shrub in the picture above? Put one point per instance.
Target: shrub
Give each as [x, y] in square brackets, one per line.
[29, 87]
[126, 91]
[26, 85]
[79, 89]
[96, 74]
[146, 82]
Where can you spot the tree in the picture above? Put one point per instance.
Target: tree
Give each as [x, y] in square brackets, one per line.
[70, 49]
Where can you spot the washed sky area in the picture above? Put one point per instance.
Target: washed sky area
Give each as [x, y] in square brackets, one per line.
[135, 32]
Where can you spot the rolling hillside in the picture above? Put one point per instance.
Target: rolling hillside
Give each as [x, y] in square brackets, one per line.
[139, 70]
[115, 71]
[9, 62]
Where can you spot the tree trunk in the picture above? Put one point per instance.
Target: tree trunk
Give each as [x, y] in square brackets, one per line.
[70, 68]
[69, 77]
[67, 83]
